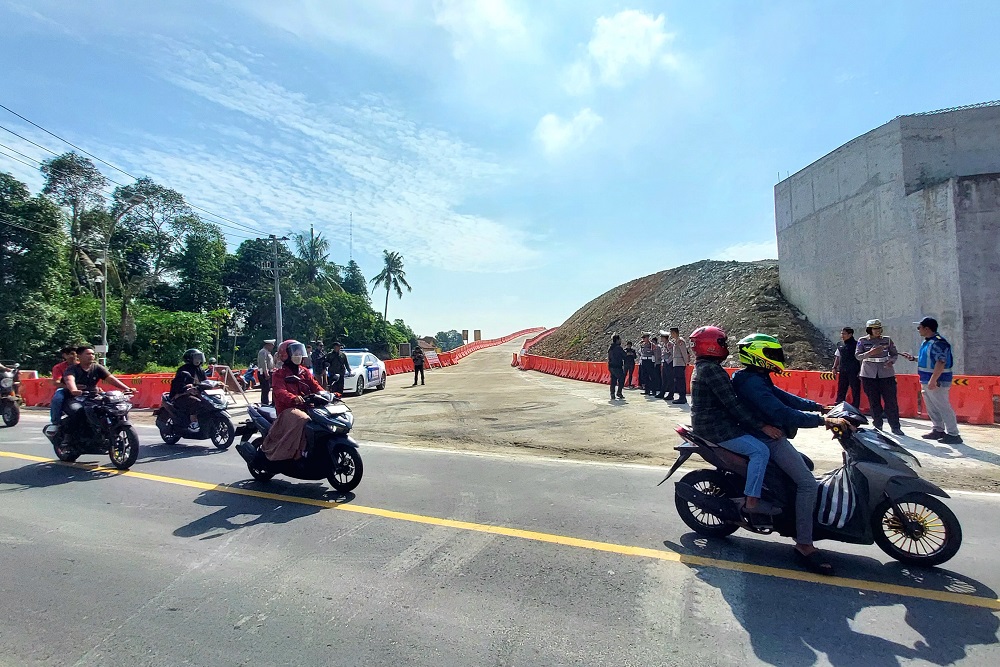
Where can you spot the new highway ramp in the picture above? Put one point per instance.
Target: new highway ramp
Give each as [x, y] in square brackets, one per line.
[444, 557]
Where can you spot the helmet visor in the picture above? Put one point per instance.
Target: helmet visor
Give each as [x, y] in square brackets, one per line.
[296, 350]
[774, 354]
[197, 358]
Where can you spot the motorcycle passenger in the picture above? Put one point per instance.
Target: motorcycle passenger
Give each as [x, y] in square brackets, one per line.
[720, 417]
[184, 386]
[59, 397]
[290, 382]
[86, 375]
[762, 355]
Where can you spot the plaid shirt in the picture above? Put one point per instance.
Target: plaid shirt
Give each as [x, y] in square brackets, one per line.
[716, 412]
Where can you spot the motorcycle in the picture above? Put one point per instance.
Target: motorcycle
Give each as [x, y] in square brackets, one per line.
[96, 423]
[214, 422]
[330, 453]
[876, 496]
[10, 396]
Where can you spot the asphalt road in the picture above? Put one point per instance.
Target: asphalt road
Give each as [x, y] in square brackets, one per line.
[442, 558]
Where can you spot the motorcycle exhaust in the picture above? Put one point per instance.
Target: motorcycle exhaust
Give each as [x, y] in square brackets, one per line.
[724, 508]
[53, 433]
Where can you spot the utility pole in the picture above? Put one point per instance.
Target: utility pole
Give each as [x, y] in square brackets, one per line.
[351, 246]
[277, 285]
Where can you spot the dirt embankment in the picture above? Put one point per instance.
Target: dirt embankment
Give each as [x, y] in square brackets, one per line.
[740, 297]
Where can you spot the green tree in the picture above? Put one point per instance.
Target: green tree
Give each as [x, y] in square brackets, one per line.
[354, 281]
[314, 266]
[201, 265]
[392, 277]
[74, 182]
[448, 340]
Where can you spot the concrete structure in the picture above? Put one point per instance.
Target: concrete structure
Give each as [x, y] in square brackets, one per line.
[902, 222]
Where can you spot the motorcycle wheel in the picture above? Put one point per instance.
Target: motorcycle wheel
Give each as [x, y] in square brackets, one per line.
[169, 435]
[223, 433]
[347, 469]
[711, 483]
[11, 413]
[929, 535]
[64, 453]
[256, 473]
[124, 450]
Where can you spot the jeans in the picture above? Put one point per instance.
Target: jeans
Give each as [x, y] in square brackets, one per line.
[786, 457]
[747, 445]
[849, 380]
[55, 407]
[939, 409]
[882, 390]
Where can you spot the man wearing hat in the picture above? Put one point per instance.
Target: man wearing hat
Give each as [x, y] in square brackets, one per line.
[934, 368]
[877, 354]
[647, 368]
[265, 365]
[666, 364]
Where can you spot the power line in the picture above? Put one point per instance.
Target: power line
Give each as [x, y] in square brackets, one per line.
[116, 168]
[11, 157]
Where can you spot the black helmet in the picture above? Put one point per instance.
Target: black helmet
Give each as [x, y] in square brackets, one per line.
[194, 356]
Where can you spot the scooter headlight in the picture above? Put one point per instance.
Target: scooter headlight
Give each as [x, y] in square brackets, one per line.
[7, 383]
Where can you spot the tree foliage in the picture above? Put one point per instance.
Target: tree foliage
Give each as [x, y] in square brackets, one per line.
[448, 340]
[392, 277]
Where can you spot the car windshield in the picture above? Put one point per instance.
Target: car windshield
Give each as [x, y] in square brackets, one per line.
[354, 359]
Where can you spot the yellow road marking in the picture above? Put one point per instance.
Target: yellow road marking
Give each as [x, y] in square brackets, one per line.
[563, 540]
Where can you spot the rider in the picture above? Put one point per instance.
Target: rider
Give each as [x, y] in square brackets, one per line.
[85, 375]
[59, 397]
[291, 381]
[762, 355]
[719, 416]
[184, 386]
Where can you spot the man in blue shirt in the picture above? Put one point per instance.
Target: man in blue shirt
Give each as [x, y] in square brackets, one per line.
[934, 368]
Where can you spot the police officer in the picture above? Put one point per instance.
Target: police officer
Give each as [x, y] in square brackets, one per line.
[647, 368]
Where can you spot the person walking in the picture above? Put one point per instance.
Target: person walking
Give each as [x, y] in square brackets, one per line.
[681, 358]
[877, 354]
[646, 366]
[934, 364]
[666, 364]
[616, 364]
[419, 359]
[846, 368]
[630, 357]
[336, 362]
[265, 366]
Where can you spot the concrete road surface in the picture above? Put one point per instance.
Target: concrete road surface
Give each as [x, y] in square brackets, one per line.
[442, 558]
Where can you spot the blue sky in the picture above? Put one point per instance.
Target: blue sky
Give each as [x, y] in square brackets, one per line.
[523, 157]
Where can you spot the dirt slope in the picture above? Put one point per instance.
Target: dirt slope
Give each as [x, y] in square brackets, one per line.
[741, 297]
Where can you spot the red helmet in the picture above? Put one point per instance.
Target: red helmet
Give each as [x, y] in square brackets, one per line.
[709, 342]
[288, 348]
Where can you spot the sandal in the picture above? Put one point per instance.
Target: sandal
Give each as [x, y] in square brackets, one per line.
[815, 562]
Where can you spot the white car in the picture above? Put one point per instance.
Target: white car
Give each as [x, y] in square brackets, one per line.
[367, 372]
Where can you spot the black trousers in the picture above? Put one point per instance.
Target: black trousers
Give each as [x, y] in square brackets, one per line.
[881, 394]
[666, 379]
[629, 371]
[265, 387]
[647, 376]
[418, 369]
[849, 380]
[679, 377]
[617, 381]
[186, 406]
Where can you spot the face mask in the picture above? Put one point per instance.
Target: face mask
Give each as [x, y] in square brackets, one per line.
[296, 359]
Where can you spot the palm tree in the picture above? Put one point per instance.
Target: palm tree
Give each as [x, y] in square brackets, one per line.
[314, 266]
[392, 276]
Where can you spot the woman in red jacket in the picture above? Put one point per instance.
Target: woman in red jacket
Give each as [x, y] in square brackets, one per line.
[290, 382]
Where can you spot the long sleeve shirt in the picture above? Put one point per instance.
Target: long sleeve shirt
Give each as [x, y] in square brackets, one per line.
[285, 391]
[265, 362]
[775, 406]
[681, 353]
[876, 365]
[717, 414]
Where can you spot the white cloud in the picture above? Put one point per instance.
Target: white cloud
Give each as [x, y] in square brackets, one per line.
[557, 135]
[279, 161]
[622, 48]
[481, 22]
[749, 251]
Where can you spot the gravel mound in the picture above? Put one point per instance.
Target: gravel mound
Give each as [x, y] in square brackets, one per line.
[740, 297]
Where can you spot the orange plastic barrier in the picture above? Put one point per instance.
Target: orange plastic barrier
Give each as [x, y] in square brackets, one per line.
[972, 398]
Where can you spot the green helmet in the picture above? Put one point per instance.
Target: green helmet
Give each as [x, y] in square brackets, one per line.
[762, 351]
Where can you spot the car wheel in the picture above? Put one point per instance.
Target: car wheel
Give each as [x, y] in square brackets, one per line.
[381, 384]
[360, 389]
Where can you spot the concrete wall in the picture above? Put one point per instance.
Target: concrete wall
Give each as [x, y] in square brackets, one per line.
[886, 226]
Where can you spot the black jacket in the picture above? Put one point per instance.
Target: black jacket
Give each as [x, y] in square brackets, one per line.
[848, 362]
[616, 358]
[186, 374]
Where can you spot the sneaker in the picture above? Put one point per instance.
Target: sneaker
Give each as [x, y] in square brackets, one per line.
[951, 440]
[933, 435]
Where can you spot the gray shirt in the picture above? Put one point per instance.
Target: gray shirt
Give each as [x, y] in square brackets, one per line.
[878, 365]
[265, 362]
[681, 354]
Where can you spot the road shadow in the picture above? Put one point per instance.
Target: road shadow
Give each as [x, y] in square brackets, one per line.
[790, 623]
[42, 475]
[943, 451]
[165, 452]
[238, 511]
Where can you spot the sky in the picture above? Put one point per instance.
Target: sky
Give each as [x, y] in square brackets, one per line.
[522, 156]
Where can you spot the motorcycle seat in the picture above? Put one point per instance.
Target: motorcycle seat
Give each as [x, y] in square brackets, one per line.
[269, 412]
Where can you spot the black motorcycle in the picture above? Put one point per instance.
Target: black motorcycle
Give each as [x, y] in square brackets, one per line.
[330, 453]
[214, 422]
[876, 496]
[10, 399]
[96, 423]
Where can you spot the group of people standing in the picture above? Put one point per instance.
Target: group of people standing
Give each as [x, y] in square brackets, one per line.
[329, 368]
[662, 365]
[868, 363]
